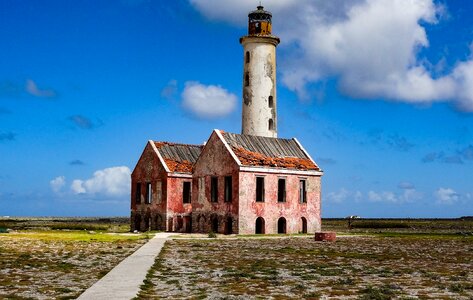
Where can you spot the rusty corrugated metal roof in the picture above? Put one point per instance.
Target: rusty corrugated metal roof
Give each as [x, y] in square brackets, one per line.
[179, 157]
[269, 152]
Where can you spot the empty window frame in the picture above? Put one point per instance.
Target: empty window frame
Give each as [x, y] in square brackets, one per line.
[259, 189]
[138, 193]
[302, 191]
[186, 192]
[270, 101]
[228, 188]
[149, 193]
[281, 190]
[214, 189]
[247, 57]
[271, 124]
[247, 79]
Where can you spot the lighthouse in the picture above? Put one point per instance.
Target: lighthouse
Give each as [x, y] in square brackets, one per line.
[259, 109]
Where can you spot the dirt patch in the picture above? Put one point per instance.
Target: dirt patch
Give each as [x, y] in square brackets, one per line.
[352, 268]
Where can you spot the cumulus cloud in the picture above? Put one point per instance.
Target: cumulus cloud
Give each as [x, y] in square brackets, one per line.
[32, 89]
[407, 195]
[208, 101]
[57, 184]
[371, 46]
[114, 181]
[446, 196]
[342, 195]
[83, 122]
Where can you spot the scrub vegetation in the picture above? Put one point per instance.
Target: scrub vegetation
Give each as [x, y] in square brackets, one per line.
[51, 259]
[370, 262]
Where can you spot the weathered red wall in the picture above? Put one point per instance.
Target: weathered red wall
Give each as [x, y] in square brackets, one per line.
[149, 169]
[215, 160]
[176, 208]
[271, 210]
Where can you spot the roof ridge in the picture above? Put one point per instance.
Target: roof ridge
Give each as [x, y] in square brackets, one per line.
[176, 144]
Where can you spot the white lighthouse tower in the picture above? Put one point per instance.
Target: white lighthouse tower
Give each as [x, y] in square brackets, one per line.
[259, 113]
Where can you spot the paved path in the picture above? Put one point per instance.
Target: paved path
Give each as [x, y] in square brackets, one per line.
[123, 281]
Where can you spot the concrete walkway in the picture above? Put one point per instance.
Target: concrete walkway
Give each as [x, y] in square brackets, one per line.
[123, 281]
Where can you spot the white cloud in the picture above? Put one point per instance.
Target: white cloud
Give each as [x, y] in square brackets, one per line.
[113, 181]
[446, 196]
[207, 101]
[33, 89]
[408, 195]
[57, 184]
[339, 196]
[371, 46]
[343, 194]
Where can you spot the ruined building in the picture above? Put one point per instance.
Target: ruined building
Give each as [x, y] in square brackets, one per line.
[253, 182]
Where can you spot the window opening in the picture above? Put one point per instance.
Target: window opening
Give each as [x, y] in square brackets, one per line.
[149, 193]
[270, 101]
[214, 189]
[186, 192]
[138, 193]
[247, 79]
[281, 190]
[247, 57]
[228, 189]
[259, 189]
[302, 191]
[270, 124]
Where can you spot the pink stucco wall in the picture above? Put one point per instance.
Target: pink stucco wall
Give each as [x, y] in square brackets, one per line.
[271, 210]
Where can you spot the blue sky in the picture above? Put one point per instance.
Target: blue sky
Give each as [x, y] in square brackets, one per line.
[379, 92]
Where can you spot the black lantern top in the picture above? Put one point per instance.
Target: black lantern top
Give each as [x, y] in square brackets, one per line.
[259, 22]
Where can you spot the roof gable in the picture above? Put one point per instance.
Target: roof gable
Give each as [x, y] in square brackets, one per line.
[269, 152]
[178, 157]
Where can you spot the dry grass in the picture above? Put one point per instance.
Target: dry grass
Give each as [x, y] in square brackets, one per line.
[373, 267]
[58, 264]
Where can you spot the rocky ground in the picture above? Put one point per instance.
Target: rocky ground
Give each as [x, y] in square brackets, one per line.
[58, 265]
[354, 267]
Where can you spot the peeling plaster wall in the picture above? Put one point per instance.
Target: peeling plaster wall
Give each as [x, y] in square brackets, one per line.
[261, 70]
[178, 212]
[149, 216]
[166, 210]
[215, 160]
[271, 210]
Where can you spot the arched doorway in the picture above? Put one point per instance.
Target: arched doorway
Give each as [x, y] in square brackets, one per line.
[138, 222]
[282, 225]
[259, 228]
[304, 225]
[158, 222]
[229, 226]
[215, 224]
[147, 223]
